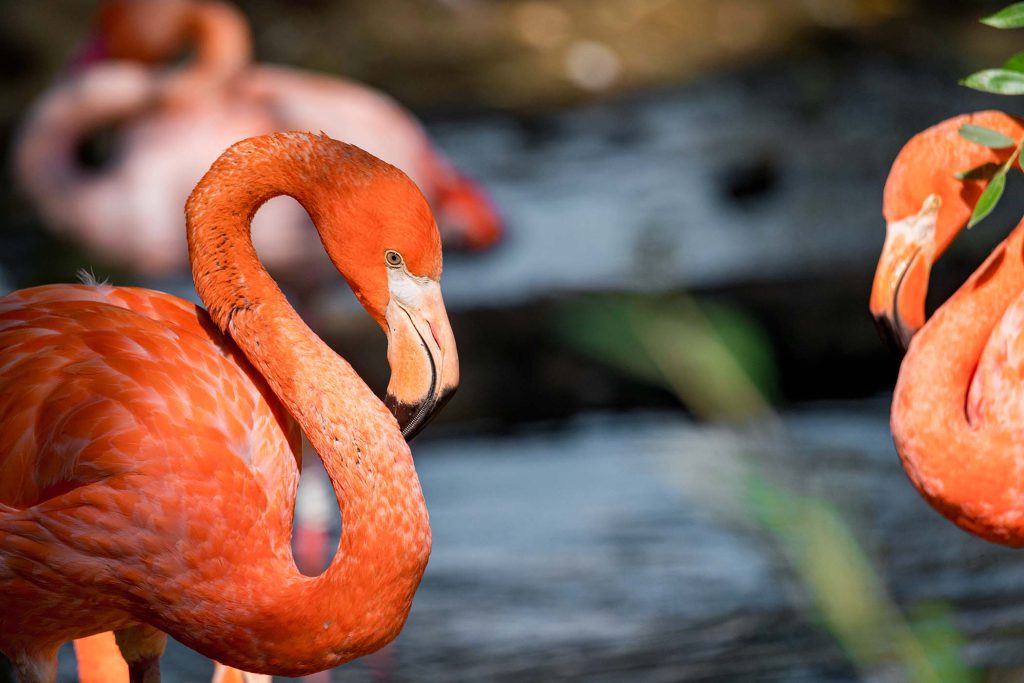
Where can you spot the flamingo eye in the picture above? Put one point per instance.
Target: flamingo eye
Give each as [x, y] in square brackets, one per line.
[393, 258]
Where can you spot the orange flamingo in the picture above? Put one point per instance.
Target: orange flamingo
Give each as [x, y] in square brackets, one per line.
[173, 123]
[957, 409]
[150, 450]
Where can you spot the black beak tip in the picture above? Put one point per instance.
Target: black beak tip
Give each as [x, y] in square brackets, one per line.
[403, 412]
[413, 417]
[893, 334]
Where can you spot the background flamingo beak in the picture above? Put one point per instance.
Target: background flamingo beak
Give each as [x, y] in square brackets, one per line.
[468, 215]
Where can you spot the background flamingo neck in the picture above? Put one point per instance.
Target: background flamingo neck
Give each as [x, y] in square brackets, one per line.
[361, 601]
[222, 38]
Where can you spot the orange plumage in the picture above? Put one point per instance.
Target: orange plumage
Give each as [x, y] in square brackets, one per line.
[958, 407]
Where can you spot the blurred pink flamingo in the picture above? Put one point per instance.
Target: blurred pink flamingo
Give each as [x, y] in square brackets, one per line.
[174, 122]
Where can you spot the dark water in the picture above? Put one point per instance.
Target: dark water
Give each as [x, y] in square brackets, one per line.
[618, 549]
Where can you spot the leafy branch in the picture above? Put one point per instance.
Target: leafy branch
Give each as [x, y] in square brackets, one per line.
[992, 172]
[1008, 17]
[1009, 78]
[1006, 80]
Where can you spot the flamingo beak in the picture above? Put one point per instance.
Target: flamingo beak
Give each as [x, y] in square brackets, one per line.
[901, 279]
[421, 351]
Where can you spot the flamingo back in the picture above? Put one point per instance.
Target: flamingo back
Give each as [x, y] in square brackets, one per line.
[91, 374]
[106, 392]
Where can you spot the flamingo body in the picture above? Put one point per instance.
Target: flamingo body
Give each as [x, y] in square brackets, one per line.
[149, 449]
[128, 419]
[957, 408]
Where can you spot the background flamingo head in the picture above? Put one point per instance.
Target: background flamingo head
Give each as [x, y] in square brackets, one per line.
[151, 31]
[467, 213]
[92, 51]
[926, 205]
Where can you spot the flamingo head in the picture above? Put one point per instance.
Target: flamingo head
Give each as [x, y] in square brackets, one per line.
[387, 245]
[925, 206]
[468, 214]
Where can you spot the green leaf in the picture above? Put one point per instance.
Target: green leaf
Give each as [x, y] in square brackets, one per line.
[983, 172]
[1008, 17]
[998, 81]
[986, 137]
[989, 198]
[1015, 63]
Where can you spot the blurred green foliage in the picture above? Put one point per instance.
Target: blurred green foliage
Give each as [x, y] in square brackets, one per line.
[713, 357]
[848, 593]
[720, 365]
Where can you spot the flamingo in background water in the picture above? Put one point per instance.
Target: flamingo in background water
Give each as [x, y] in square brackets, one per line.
[958, 407]
[150, 450]
[174, 121]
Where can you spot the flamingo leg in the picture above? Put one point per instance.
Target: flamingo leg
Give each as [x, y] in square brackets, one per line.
[99, 659]
[225, 674]
[141, 646]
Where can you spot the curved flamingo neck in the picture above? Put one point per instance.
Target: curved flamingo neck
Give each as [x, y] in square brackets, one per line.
[959, 467]
[361, 601]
